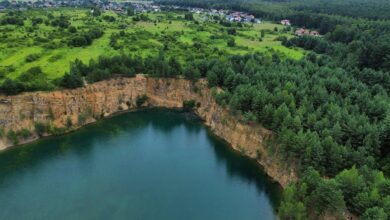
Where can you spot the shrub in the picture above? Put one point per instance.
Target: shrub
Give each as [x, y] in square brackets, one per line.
[281, 38]
[69, 122]
[34, 79]
[32, 57]
[232, 31]
[11, 87]
[231, 43]
[56, 130]
[11, 135]
[86, 38]
[189, 16]
[109, 18]
[82, 118]
[374, 213]
[189, 104]
[51, 113]
[71, 81]
[24, 133]
[40, 128]
[141, 100]
[13, 20]
[36, 21]
[72, 29]
[249, 117]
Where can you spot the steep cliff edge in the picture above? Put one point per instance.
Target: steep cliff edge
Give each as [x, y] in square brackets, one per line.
[28, 116]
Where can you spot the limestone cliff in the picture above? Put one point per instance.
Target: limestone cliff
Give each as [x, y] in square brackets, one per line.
[53, 112]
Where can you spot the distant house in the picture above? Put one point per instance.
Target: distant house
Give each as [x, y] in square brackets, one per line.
[230, 18]
[240, 17]
[156, 8]
[285, 22]
[302, 32]
[249, 18]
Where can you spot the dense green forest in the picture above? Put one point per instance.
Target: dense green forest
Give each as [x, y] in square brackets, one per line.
[373, 9]
[329, 110]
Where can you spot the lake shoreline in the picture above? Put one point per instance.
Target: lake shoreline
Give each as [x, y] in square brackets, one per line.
[80, 107]
[145, 164]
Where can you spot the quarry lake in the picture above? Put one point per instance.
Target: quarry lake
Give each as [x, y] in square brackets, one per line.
[150, 164]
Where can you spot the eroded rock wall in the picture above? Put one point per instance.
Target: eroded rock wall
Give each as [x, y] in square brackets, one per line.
[70, 109]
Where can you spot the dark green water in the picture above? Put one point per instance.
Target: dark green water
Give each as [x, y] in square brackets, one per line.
[153, 164]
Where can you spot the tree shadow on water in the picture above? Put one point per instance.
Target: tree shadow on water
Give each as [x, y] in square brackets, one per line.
[82, 143]
[246, 169]
[165, 120]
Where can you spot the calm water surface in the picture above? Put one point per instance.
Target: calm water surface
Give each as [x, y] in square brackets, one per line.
[153, 164]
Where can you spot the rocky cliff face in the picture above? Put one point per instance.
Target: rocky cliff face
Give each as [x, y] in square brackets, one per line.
[28, 116]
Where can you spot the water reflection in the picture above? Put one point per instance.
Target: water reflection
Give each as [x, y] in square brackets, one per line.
[247, 169]
[84, 143]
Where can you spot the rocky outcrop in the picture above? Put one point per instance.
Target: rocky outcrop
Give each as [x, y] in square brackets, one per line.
[28, 116]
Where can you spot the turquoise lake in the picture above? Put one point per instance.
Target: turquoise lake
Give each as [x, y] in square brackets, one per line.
[151, 164]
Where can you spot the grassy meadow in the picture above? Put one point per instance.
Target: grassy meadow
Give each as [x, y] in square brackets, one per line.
[46, 46]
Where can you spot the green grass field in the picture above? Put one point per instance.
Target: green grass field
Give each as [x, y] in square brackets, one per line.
[164, 30]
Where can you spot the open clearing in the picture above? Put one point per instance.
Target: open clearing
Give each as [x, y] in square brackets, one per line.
[167, 31]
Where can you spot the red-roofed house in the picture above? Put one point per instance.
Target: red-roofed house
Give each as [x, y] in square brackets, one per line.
[302, 31]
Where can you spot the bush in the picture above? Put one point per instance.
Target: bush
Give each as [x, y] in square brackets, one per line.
[231, 43]
[192, 73]
[222, 98]
[36, 21]
[79, 41]
[82, 118]
[86, 38]
[40, 128]
[141, 17]
[31, 80]
[189, 104]
[24, 133]
[69, 122]
[11, 87]
[61, 22]
[141, 100]
[32, 57]
[232, 31]
[72, 29]
[11, 135]
[56, 130]
[281, 38]
[13, 20]
[109, 18]
[71, 81]
[374, 213]
[34, 79]
[189, 16]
